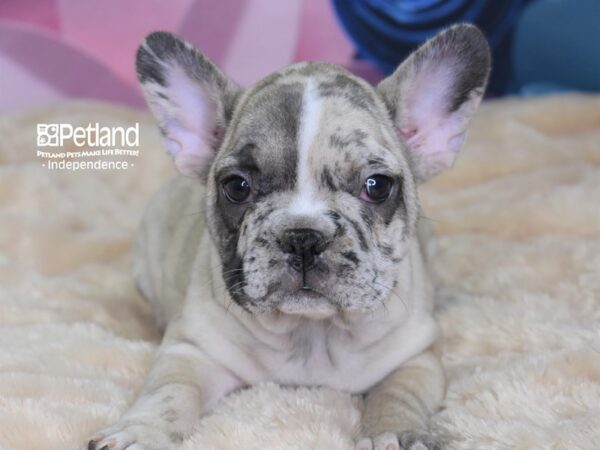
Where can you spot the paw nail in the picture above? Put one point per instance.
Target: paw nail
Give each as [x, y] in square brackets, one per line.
[92, 444]
[110, 444]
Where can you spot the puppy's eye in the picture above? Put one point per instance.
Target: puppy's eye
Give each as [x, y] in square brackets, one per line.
[377, 188]
[236, 189]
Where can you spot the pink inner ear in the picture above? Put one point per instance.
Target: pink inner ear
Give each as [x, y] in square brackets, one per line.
[407, 133]
[217, 136]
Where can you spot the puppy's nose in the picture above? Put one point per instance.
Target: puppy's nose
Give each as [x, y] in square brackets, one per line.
[303, 245]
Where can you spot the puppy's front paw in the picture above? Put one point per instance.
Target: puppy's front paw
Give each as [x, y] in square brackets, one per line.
[384, 441]
[133, 436]
[419, 440]
[409, 440]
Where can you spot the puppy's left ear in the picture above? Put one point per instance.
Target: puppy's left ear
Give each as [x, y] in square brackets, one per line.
[190, 97]
[433, 95]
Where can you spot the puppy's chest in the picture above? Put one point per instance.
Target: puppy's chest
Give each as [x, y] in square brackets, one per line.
[312, 346]
[315, 354]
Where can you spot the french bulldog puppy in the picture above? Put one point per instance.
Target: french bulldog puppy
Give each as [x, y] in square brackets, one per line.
[290, 251]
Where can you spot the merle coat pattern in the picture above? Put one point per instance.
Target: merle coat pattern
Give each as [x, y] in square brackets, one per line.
[291, 249]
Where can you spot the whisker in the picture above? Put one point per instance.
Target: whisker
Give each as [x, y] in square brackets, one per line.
[193, 214]
[390, 291]
[430, 219]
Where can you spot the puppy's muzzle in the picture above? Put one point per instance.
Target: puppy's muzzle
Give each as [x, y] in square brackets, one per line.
[303, 245]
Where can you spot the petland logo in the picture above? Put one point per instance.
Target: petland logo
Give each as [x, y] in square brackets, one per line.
[88, 148]
[56, 134]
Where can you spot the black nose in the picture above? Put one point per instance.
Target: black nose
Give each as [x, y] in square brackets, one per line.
[303, 245]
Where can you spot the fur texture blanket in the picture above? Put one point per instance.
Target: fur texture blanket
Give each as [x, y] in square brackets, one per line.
[518, 223]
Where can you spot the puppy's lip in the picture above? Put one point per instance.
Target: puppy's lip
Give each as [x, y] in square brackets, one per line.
[308, 303]
[309, 292]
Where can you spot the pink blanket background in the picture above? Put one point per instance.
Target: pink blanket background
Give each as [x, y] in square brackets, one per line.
[57, 49]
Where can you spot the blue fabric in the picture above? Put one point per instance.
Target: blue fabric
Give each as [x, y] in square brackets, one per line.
[538, 88]
[386, 31]
[557, 47]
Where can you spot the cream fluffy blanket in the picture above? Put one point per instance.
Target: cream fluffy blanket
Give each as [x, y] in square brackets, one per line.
[518, 220]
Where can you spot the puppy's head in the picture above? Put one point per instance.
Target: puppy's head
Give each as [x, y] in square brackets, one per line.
[311, 174]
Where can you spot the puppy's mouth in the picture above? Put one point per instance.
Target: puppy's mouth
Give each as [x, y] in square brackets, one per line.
[306, 293]
[308, 303]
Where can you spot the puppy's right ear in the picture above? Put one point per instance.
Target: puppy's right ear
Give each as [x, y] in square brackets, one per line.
[190, 97]
[434, 94]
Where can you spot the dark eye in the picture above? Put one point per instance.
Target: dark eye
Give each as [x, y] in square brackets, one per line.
[236, 189]
[377, 188]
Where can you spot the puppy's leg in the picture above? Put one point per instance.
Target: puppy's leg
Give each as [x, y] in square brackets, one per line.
[182, 385]
[397, 409]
